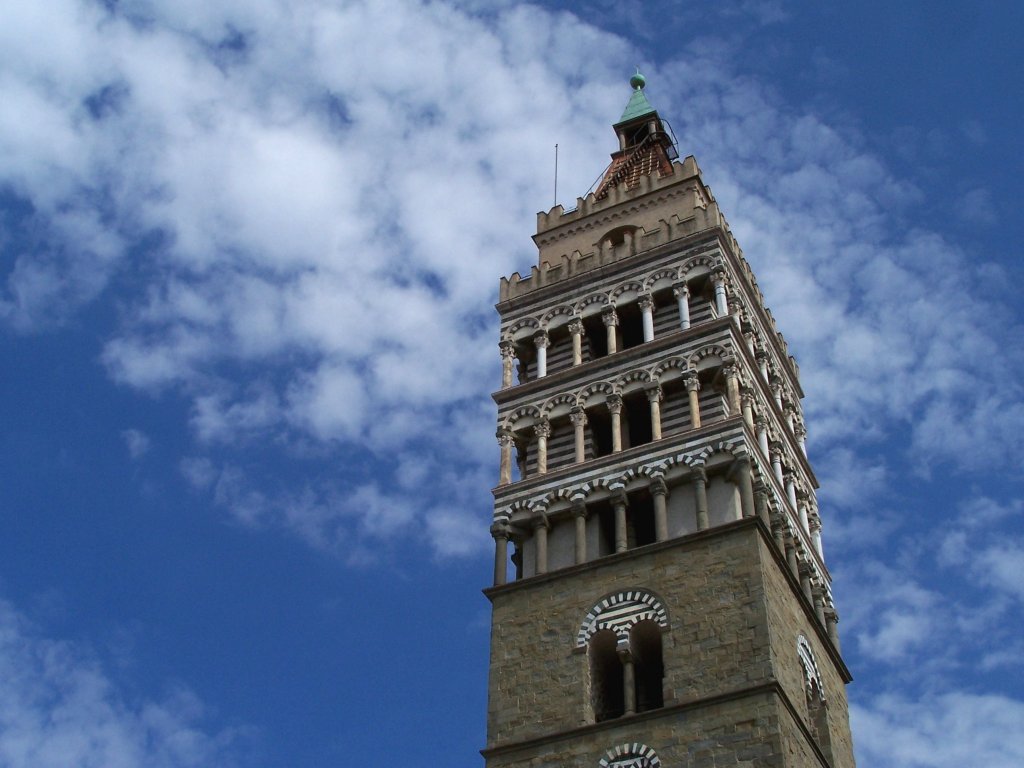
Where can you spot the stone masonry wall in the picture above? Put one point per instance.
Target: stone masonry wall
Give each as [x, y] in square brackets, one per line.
[787, 620]
[740, 733]
[711, 586]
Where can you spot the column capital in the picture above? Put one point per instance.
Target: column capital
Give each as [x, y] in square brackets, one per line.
[658, 487]
[719, 276]
[505, 436]
[540, 338]
[699, 472]
[541, 521]
[776, 447]
[614, 403]
[645, 301]
[578, 416]
[579, 508]
[760, 421]
[542, 428]
[575, 326]
[692, 381]
[609, 316]
[507, 349]
[653, 391]
[681, 290]
[499, 530]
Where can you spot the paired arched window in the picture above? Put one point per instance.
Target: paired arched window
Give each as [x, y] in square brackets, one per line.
[622, 635]
[814, 693]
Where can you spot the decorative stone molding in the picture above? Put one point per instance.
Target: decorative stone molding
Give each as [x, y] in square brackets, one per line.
[620, 612]
[630, 756]
[812, 677]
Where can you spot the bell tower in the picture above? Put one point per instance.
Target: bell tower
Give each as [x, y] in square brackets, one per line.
[660, 592]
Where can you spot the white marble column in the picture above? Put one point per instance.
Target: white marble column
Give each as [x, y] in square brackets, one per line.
[542, 431]
[693, 386]
[614, 403]
[654, 398]
[721, 300]
[776, 457]
[814, 523]
[578, 417]
[682, 294]
[659, 492]
[611, 323]
[576, 329]
[540, 543]
[619, 507]
[508, 354]
[540, 339]
[500, 533]
[646, 303]
[732, 386]
[761, 427]
[579, 513]
[700, 491]
[747, 406]
[505, 439]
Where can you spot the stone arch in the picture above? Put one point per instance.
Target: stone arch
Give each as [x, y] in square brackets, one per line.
[629, 287]
[592, 304]
[551, 406]
[625, 381]
[617, 235]
[663, 278]
[698, 265]
[678, 364]
[620, 611]
[633, 755]
[605, 388]
[812, 676]
[523, 412]
[558, 316]
[522, 328]
[706, 357]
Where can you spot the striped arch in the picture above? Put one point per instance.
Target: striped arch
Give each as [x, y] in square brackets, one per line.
[673, 363]
[520, 413]
[812, 677]
[634, 755]
[524, 323]
[603, 387]
[566, 398]
[689, 460]
[667, 276]
[694, 265]
[620, 290]
[564, 310]
[633, 377]
[620, 612]
[735, 449]
[557, 495]
[520, 505]
[702, 358]
[588, 302]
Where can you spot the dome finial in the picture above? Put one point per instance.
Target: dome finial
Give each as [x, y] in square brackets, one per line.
[638, 81]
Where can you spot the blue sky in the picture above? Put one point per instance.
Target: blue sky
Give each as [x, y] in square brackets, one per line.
[248, 257]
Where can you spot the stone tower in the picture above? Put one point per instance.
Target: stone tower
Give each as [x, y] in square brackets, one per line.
[660, 594]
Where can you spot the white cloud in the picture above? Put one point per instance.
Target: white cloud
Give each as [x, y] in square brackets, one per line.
[137, 442]
[60, 709]
[327, 199]
[941, 730]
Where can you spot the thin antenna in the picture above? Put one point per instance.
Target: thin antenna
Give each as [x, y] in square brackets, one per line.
[556, 174]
